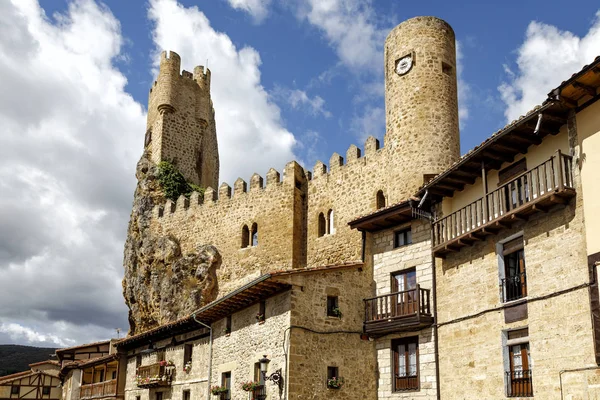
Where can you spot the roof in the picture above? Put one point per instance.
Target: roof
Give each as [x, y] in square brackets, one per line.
[82, 346]
[53, 362]
[17, 375]
[383, 218]
[575, 93]
[261, 288]
[91, 361]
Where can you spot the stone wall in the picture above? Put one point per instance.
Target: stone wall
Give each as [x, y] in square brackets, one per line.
[318, 341]
[387, 260]
[219, 221]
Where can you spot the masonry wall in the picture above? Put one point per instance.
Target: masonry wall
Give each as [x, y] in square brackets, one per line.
[472, 354]
[219, 220]
[318, 341]
[388, 260]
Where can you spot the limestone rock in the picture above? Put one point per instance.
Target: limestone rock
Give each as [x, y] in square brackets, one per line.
[161, 284]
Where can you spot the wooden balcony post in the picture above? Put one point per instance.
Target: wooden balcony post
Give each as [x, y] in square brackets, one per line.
[559, 163]
[418, 303]
[485, 192]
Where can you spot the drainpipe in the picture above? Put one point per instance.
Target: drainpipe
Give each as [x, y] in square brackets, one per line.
[435, 325]
[210, 348]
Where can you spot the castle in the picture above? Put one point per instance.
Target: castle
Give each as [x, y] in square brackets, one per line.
[402, 271]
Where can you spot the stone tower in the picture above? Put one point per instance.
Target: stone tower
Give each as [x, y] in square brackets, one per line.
[421, 99]
[181, 122]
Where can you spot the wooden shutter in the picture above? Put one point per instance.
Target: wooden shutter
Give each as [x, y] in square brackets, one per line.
[511, 171]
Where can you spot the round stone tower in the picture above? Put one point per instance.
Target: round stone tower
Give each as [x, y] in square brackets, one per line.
[421, 99]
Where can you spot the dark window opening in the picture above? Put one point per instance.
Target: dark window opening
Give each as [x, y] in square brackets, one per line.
[254, 234]
[226, 383]
[228, 324]
[514, 283]
[516, 168]
[14, 389]
[406, 365]
[332, 306]
[186, 394]
[114, 375]
[46, 390]
[322, 229]
[402, 238]
[159, 396]
[261, 315]
[245, 236]
[446, 68]
[188, 350]
[138, 360]
[160, 355]
[330, 228]
[380, 200]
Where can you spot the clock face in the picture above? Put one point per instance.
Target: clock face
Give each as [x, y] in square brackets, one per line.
[404, 65]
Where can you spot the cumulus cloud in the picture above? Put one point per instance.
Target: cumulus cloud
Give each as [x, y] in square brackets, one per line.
[249, 125]
[547, 57]
[371, 122]
[300, 100]
[71, 138]
[258, 9]
[464, 89]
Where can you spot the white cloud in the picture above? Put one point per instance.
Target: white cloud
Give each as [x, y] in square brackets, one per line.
[249, 126]
[71, 136]
[299, 99]
[370, 123]
[546, 58]
[464, 89]
[350, 27]
[258, 9]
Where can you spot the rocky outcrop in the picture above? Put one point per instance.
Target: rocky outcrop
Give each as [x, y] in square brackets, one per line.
[161, 284]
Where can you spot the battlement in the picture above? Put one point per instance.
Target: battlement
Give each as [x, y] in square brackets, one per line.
[353, 154]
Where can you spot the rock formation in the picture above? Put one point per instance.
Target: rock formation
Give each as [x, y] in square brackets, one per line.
[161, 284]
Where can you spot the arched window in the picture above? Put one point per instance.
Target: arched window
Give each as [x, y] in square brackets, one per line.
[380, 199]
[245, 236]
[322, 229]
[330, 227]
[254, 234]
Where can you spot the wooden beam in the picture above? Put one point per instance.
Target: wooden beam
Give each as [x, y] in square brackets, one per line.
[537, 207]
[586, 88]
[554, 118]
[568, 102]
[498, 156]
[525, 137]
[461, 179]
[508, 148]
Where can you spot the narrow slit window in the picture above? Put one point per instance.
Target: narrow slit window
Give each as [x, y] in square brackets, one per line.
[332, 306]
[188, 350]
[380, 200]
[255, 234]
[330, 226]
[322, 224]
[245, 236]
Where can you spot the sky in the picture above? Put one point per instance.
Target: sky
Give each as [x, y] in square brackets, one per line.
[291, 80]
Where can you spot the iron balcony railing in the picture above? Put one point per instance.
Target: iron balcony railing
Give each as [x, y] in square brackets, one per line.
[514, 287]
[553, 175]
[399, 304]
[259, 393]
[97, 390]
[519, 383]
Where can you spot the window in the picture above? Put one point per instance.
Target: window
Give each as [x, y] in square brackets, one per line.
[245, 236]
[114, 375]
[138, 360]
[518, 376]
[187, 353]
[402, 238]
[261, 315]
[405, 353]
[160, 355]
[332, 372]
[515, 193]
[186, 394]
[226, 383]
[380, 200]
[332, 306]
[138, 397]
[228, 325]
[46, 391]
[158, 396]
[259, 392]
[446, 68]
[254, 234]
[516, 168]
[330, 227]
[404, 283]
[514, 282]
[322, 225]
[15, 390]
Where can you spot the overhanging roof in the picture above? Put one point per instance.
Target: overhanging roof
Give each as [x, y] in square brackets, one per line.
[259, 289]
[383, 218]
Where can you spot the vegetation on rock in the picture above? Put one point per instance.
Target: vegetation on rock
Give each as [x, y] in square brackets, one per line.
[173, 183]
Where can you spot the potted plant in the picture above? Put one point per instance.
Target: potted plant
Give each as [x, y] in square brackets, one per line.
[227, 331]
[218, 390]
[187, 367]
[335, 382]
[337, 312]
[260, 318]
[250, 386]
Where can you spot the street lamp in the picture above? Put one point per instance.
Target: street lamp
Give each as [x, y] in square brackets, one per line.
[275, 377]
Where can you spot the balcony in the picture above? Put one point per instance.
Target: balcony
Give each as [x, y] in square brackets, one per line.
[535, 190]
[519, 383]
[154, 375]
[98, 390]
[260, 393]
[408, 310]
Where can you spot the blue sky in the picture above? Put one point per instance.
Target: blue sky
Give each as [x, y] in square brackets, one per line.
[294, 79]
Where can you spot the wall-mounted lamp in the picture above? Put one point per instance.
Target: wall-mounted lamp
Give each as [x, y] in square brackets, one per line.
[275, 377]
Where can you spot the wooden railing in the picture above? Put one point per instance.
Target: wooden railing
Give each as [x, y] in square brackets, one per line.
[519, 383]
[100, 389]
[399, 304]
[155, 375]
[553, 175]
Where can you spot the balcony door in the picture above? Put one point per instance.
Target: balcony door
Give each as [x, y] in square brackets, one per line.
[405, 302]
[520, 373]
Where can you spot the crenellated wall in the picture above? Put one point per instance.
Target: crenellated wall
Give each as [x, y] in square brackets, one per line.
[219, 218]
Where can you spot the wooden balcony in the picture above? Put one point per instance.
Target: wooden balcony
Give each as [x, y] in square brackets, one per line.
[408, 310]
[155, 375]
[535, 190]
[99, 390]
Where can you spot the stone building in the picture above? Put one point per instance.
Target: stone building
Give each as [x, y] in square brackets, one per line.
[402, 272]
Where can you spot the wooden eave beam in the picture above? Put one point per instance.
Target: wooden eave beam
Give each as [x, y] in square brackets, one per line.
[554, 118]
[586, 88]
[511, 149]
[504, 157]
[444, 184]
[526, 137]
[596, 70]
[567, 101]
